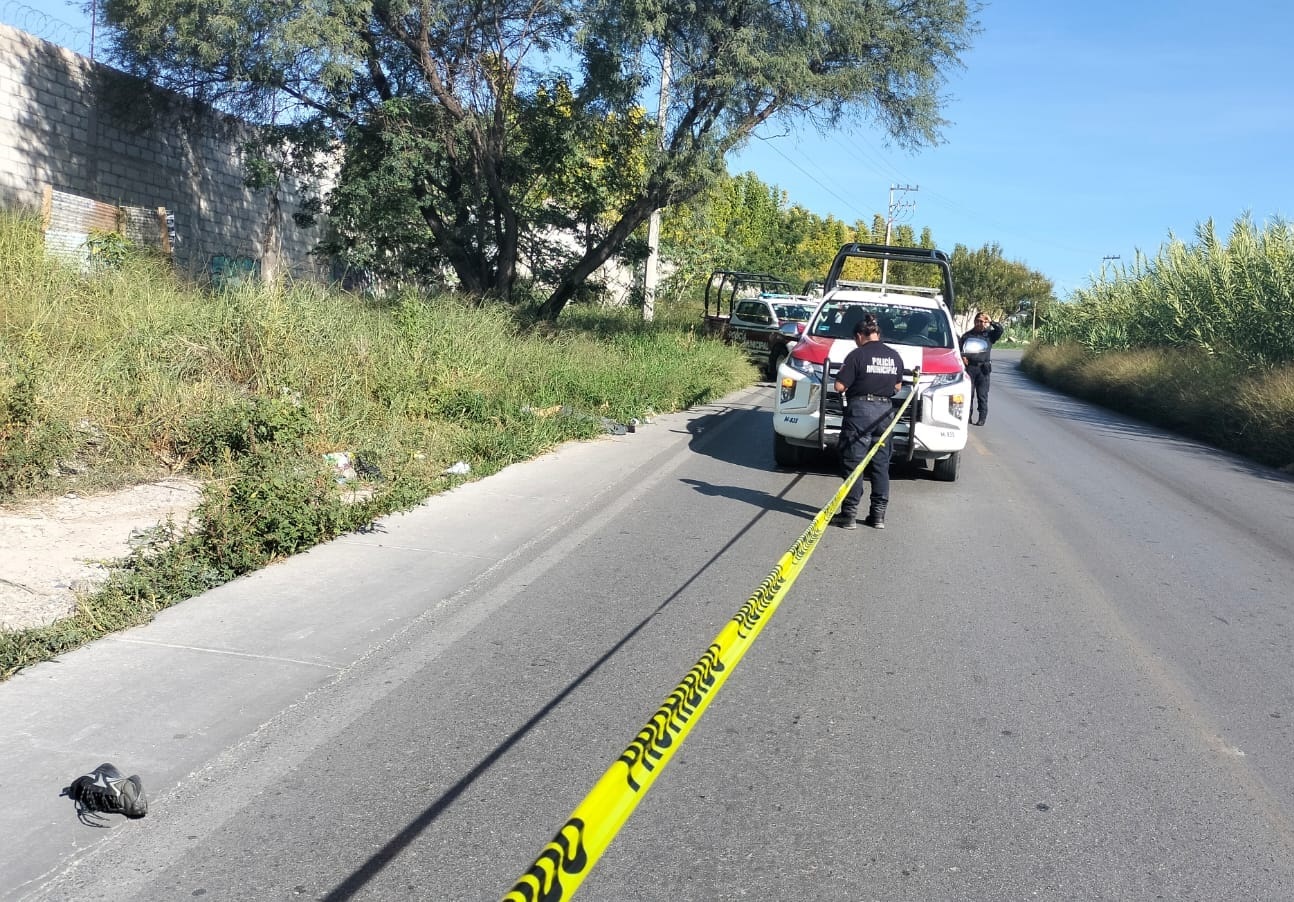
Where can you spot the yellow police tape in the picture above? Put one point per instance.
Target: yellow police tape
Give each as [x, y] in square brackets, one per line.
[564, 863]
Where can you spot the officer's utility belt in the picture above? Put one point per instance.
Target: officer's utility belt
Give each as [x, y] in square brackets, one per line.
[871, 398]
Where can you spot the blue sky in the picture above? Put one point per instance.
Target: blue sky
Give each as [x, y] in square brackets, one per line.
[1077, 131]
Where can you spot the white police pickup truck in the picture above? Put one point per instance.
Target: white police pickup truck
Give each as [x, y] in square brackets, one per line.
[916, 320]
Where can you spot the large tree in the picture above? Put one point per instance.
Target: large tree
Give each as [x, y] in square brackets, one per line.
[462, 123]
[985, 280]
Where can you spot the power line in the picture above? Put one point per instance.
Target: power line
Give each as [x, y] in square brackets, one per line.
[877, 160]
[881, 162]
[768, 143]
[878, 163]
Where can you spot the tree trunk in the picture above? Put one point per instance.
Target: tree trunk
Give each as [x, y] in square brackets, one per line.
[594, 257]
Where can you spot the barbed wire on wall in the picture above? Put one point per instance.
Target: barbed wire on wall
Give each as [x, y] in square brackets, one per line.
[50, 28]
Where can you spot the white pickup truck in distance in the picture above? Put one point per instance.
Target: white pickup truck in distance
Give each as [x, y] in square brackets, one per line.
[916, 320]
[756, 311]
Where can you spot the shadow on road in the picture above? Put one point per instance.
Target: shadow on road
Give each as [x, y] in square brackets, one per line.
[755, 451]
[763, 500]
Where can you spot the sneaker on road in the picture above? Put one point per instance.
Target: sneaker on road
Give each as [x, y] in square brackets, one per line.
[105, 791]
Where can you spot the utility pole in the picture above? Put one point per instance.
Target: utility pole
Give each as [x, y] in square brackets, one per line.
[1106, 258]
[653, 223]
[895, 208]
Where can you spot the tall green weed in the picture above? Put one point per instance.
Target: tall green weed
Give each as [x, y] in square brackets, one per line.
[108, 377]
[1232, 298]
[1199, 339]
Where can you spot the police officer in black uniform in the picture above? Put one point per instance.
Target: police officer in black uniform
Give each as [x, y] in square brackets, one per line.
[867, 381]
[978, 366]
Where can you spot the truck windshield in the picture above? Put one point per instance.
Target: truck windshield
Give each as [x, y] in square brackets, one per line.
[899, 324]
[799, 313]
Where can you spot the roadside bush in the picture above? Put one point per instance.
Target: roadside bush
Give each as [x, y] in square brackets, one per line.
[244, 426]
[17, 393]
[1259, 418]
[30, 455]
[29, 445]
[1049, 362]
[1199, 339]
[274, 506]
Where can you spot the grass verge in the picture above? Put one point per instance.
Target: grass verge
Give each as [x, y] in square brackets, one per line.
[110, 377]
[1249, 412]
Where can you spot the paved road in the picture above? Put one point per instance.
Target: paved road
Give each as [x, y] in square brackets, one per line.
[1066, 676]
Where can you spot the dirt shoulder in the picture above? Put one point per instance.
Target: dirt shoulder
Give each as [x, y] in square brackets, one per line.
[53, 548]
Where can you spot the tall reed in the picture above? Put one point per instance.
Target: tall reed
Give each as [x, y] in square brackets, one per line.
[1232, 298]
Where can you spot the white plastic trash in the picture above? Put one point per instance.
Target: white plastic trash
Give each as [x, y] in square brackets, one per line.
[343, 466]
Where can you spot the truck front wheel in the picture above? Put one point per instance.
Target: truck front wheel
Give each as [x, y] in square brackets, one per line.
[776, 359]
[785, 454]
[946, 469]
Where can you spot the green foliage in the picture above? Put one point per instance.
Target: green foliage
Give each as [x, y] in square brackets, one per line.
[464, 154]
[275, 505]
[1230, 299]
[18, 382]
[735, 224]
[985, 280]
[31, 447]
[30, 453]
[151, 372]
[1200, 339]
[242, 427]
[742, 224]
[108, 249]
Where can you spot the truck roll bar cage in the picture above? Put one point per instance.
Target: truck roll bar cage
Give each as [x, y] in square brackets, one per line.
[929, 256]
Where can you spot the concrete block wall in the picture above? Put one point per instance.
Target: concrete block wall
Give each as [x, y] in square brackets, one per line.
[87, 129]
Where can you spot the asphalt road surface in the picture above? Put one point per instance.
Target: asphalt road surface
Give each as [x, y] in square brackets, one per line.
[1068, 675]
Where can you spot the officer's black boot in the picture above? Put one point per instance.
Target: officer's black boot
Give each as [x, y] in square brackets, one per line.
[876, 516]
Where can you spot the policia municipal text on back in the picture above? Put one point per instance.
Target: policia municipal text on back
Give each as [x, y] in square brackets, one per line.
[868, 379]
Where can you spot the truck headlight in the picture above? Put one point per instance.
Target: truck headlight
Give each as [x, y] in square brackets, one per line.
[812, 370]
